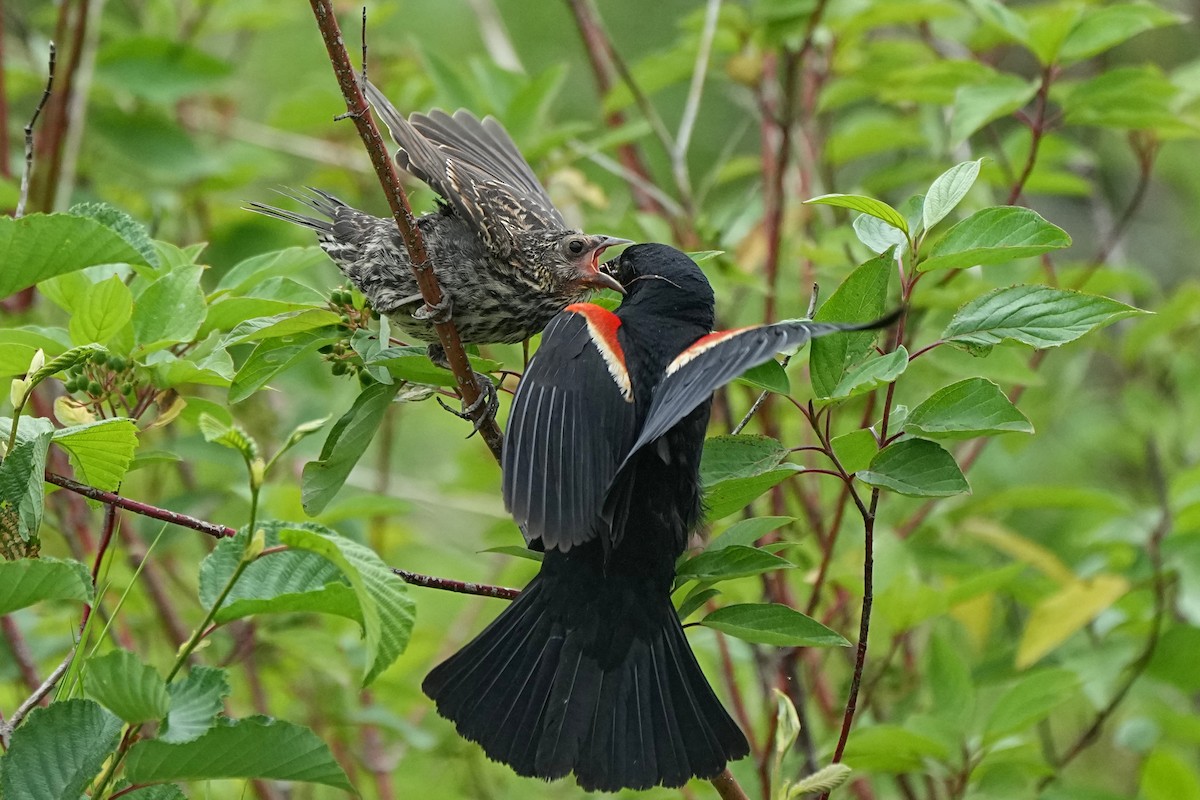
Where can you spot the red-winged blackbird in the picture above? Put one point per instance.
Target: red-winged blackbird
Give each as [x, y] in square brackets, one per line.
[589, 671]
[503, 254]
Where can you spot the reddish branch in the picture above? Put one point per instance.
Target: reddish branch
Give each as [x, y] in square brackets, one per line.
[359, 111]
[218, 531]
[598, 47]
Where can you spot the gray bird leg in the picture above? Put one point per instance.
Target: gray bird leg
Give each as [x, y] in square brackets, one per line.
[488, 397]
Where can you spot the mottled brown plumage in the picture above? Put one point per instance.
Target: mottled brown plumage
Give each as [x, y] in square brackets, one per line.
[504, 256]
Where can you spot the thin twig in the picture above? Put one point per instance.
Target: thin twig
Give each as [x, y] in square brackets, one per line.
[414, 243]
[23, 198]
[727, 786]
[1037, 129]
[218, 531]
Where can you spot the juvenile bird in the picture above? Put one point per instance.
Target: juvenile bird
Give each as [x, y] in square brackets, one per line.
[589, 671]
[505, 258]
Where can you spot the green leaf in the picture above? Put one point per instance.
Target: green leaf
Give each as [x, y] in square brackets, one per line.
[877, 235]
[272, 356]
[17, 346]
[73, 357]
[347, 440]
[823, 780]
[855, 450]
[768, 376]
[164, 791]
[101, 311]
[732, 495]
[1039, 316]
[411, 363]
[696, 598]
[891, 749]
[26, 581]
[158, 69]
[40, 246]
[286, 581]
[871, 374]
[951, 691]
[994, 236]
[772, 624]
[257, 747]
[288, 323]
[1129, 98]
[1056, 617]
[948, 190]
[100, 451]
[963, 410]
[998, 16]
[125, 226]
[1104, 27]
[867, 205]
[387, 610]
[1029, 701]
[725, 563]
[1168, 776]
[517, 552]
[860, 298]
[196, 700]
[57, 751]
[916, 468]
[747, 531]
[170, 309]
[231, 436]
[978, 104]
[739, 456]
[22, 474]
[120, 682]
[245, 276]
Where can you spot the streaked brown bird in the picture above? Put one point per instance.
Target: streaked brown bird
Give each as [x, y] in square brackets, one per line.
[505, 258]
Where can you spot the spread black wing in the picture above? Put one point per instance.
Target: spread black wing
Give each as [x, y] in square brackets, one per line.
[716, 359]
[570, 427]
[476, 167]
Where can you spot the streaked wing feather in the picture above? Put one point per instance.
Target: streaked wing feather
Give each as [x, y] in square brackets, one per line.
[475, 167]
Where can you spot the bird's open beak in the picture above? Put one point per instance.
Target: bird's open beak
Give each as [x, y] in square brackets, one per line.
[595, 276]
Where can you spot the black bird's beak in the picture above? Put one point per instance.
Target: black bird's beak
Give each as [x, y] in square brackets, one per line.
[595, 275]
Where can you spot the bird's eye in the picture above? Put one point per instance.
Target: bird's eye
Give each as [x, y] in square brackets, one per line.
[576, 247]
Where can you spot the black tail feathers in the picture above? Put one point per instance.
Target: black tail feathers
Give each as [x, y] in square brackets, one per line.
[550, 691]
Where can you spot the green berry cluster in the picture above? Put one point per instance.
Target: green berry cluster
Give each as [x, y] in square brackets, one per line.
[102, 375]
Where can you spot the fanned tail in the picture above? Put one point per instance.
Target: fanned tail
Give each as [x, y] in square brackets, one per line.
[589, 676]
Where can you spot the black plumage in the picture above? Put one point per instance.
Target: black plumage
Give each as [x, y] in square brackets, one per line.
[505, 258]
[589, 671]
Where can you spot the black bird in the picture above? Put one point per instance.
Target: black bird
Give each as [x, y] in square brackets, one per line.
[589, 671]
[505, 258]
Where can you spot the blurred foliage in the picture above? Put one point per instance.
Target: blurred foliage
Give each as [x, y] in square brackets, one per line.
[1035, 637]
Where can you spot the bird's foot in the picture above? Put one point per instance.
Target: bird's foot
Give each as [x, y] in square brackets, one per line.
[436, 314]
[488, 400]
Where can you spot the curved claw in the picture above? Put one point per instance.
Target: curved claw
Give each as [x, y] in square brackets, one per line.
[442, 312]
[488, 399]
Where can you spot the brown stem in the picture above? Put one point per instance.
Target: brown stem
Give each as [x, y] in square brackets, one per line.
[414, 243]
[595, 42]
[727, 786]
[218, 531]
[59, 111]
[1037, 129]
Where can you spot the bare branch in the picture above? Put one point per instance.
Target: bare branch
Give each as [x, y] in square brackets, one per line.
[24, 196]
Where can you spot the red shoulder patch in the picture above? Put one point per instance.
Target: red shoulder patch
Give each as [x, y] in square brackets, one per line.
[703, 345]
[602, 327]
